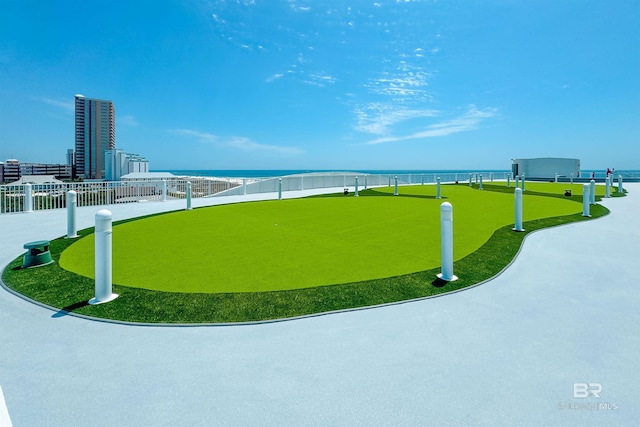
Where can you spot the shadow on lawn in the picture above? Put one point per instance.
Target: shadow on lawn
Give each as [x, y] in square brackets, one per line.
[69, 309]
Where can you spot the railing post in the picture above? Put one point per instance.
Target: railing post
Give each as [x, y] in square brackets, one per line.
[470, 178]
[508, 180]
[522, 183]
[395, 191]
[481, 181]
[571, 177]
[280, 188]
[491, 176]
[103, 257]
[446, 242]
[438, 188]
[518, 210]
[188, 195]
[72, 202]
[164, 190]
[356, 187]
[585, 200]
[593, 191]
[302, 182]
[365, 182]
[28, 198]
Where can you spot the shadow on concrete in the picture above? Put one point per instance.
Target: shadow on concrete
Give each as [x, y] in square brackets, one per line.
[69, 309]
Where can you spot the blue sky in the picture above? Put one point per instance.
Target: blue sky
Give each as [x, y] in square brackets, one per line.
[293, 84]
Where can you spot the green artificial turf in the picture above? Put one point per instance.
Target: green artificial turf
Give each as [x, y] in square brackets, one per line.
[301, 243]
[70, 292]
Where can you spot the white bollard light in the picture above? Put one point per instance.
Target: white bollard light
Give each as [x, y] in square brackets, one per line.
[585, 200]
[518, 210]
[446, 240]
[356, 187]
[280, 188]
[395, 191]
[517, 181]
[28, 198]
[72, 203]
[188, 195]
[438, 188]
[164, 190]
[620, 189]
[103, 257]
[607, 186]
[592, 192]
[481, 181]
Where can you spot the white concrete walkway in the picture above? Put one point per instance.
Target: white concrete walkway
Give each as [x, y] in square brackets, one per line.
[505, 353]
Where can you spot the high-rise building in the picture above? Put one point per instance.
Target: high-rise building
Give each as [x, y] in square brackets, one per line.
[95, 134]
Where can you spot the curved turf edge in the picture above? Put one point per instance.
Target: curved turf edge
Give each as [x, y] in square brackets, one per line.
[69, 292]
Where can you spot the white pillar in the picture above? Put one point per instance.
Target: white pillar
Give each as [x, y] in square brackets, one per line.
[280, 188]
[446, 240]
[585, 200]
[188, 195]
[395, 191]
[356, 187]
[607, 186]
[72, 202]
[518, 210]
[620, 189]
[481, 181]
[438, 188]
[592, 192]
[28, 198]
[103, 256]
[164, 190]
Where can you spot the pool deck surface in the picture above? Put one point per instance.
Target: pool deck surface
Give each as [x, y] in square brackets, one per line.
[507, 353]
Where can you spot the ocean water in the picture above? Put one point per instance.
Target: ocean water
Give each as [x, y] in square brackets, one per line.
[269, 173]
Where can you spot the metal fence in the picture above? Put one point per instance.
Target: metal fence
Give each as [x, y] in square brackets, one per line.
[13, 198]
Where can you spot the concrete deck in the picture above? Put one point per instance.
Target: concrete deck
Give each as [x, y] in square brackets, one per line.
[505, 353]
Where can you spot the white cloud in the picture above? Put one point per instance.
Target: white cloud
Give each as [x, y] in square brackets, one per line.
[127, 120]
[378, 118]
[237, 142]
[274, 77]
[69, 106]
[470, 120]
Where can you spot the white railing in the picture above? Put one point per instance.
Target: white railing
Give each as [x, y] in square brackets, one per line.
[53, 196]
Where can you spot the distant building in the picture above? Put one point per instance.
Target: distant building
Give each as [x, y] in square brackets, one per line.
[546, 167]
[95, 124]
[119, 163]
[71, 154]
[12, 170]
